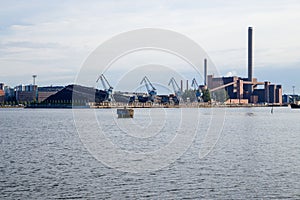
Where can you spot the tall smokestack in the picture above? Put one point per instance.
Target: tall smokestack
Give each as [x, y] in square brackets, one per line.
[250, 53]
[205, 71]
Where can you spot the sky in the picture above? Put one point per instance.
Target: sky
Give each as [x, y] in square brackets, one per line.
[54, 38]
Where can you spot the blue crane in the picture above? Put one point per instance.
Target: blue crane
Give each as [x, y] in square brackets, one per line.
[175, 86]
[106, 86]
[150, 88]
[176, 89]
[197, 89]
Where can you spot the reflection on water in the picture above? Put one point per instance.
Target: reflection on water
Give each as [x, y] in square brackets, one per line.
[257, 156]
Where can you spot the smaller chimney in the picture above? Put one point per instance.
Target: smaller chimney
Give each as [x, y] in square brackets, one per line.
[205, 71]
[187, 85]
[181, 85]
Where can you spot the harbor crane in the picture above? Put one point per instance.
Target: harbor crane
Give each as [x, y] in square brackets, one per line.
[150, 88]
[197, 89]
[106, 86]
[175, 86]
[176, 89]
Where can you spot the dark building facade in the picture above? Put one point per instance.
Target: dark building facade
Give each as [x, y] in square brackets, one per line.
[45, 92]
[26, 93]
[238, 88]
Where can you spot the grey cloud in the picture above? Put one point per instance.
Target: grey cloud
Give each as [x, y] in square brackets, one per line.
[30, 45]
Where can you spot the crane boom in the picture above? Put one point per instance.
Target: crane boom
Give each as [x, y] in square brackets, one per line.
[150, 88]
[106, 86]
[104, 81]
[197, 90]
[175, 86]
[195, 84]
[148, 84]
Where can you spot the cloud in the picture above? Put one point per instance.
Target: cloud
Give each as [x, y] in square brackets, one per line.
[41, 36]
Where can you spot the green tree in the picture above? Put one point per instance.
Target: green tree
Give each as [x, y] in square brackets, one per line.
[220, 95]
[206, 95]
[191, 94]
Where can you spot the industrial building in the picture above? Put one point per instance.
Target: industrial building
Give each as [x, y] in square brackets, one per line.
[33, 93]
[7, 94]
[76, 94]
[2, 93]
[10, 94]
[26, 93]
[245, 90]
[45, 92]
[290, 98]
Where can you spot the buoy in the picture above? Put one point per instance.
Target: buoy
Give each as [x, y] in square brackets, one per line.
[272, 110]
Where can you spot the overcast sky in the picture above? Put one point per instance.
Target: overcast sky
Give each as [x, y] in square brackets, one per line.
[53, 38]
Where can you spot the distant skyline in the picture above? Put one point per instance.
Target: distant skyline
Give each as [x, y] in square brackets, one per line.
[53, 38]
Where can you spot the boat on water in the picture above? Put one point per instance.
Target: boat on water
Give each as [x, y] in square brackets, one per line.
[125, 113]
[294, 105]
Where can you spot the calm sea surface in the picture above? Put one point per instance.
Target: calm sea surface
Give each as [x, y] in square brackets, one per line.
[257, 155]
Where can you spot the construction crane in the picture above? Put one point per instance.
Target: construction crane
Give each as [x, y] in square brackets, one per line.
[197, 89]
[176, 89]
[150, 88]
[107, 87]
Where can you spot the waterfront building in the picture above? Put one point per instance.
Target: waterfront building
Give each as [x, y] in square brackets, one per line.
[26, 93]
[240, 89]
[45, 92]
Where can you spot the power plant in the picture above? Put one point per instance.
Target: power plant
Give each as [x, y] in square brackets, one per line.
[245, 90]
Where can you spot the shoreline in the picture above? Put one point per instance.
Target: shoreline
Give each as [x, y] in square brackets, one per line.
[114, 106]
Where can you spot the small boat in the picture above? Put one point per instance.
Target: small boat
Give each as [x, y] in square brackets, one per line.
[293, 105]
[125, 113]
